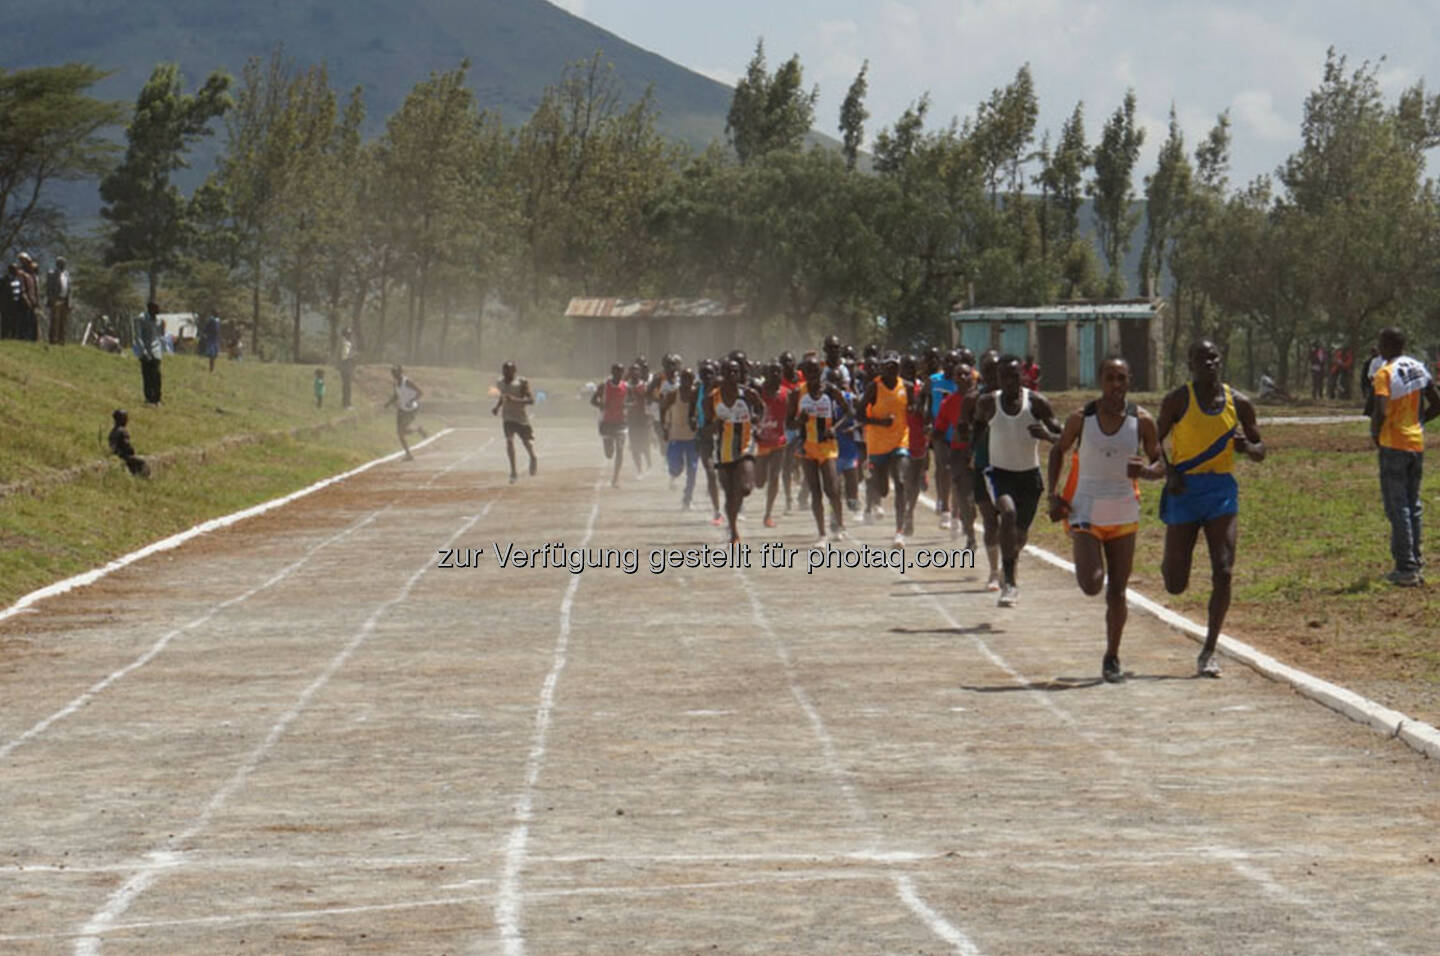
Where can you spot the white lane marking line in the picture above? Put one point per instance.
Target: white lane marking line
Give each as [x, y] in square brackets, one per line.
[904, 887]
[938, 924]
[1416, 734]
[508, 898]
[170, 855]
[175, 540]
[1311, 420]
[320, 913]
[160, 645]
[1231, 856]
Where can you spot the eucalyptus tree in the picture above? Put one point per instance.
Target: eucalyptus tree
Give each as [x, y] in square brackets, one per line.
[146, 212]
[1111, 187]
[770, 112]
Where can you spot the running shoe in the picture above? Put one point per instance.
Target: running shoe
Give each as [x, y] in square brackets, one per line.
[1206, 666]
[910, 526]
[993, 584]
[1110, 670]
[513, 478]
[534, 465]
[1404, 579]
[1009, 594]
[899, 540]
[821, 543]
[944, 521]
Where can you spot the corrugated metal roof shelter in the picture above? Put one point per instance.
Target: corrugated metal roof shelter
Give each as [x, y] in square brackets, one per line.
[612, 329]
[1069, 340]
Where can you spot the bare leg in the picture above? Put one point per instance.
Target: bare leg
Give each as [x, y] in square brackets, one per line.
[510, 453]
[831, 483]
[1221, 534]
[1120, 556]
[769, 475]
[817, 503]
[619, 458]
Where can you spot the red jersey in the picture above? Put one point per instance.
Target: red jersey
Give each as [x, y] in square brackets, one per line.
[613, 407]
[947, 417]
[772, 425]
[919, 434]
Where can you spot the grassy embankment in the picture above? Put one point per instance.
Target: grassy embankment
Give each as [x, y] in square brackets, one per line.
[1314, 548]
[220, 442]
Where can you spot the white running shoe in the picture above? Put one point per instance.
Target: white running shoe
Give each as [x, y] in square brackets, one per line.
[821, 543]
[1009, 594]
[899, 540]
[944, 522]
[993, 584]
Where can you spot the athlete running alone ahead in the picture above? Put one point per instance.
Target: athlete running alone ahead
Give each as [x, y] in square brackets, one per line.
[515, 396]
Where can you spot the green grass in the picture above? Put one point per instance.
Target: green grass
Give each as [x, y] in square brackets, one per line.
[67, 506]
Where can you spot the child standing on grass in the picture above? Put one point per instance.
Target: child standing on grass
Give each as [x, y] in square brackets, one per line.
[319, 387]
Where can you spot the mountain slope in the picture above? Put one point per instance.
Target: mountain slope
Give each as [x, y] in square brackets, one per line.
[515, 47]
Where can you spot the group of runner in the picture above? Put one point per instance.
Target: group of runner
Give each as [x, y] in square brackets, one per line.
[857, 431]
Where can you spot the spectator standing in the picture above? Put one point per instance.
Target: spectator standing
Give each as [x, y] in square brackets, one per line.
[319, 388]
[11, 297]
[1367, 377]
[30, 299]
[1342, 360]
[1397, 427]
[210, 340]
[150, 347]
[1317, 370]
[347, 365]
[57, 300]
[1030, 374]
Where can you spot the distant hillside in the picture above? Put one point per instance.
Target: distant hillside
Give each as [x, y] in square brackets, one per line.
[515, 47]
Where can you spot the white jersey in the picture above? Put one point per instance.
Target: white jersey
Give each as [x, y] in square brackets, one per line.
[1104, 493]
[1012, 447]
[407, 396]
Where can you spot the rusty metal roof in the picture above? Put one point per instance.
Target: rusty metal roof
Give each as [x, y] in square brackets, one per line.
[582, 308]
[1121, 309]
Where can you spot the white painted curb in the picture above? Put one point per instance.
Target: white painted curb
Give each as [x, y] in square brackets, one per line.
[175, 540]
[1311, 420]
[1416, 734]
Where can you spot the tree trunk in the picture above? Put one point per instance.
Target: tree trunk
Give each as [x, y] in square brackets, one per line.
[444, 324]
[255, 311]
[480, 326]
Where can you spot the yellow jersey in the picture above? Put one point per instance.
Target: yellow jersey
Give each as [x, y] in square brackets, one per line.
[1203, 442]
[883, 439]
[733, 438]
[1400, 382]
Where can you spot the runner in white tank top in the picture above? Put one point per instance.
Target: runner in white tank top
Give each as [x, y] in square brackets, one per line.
[1016, 421]
[1118, 444]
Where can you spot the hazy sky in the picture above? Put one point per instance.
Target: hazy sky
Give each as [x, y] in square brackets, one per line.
[1258, 59]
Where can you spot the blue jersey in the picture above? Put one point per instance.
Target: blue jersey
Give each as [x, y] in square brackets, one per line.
[941, 385]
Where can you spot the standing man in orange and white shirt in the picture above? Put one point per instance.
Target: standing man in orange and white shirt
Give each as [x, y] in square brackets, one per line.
[1397, 423]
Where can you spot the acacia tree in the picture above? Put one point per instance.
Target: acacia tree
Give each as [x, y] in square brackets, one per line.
[146, 212]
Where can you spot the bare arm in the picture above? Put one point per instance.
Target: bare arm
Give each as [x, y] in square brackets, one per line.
[1431, 400]
[1152, 466]
[1250, 443]
[1069, 435]
[1046, 428]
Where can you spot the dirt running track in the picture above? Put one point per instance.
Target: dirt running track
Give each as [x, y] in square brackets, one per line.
[300, 735]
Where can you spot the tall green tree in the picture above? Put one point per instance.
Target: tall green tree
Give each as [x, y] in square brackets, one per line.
[1167, 191]
[145, 210]
[770, 112]
[853, 115]
[1358, 179]
[1112, 189]
[50, 131]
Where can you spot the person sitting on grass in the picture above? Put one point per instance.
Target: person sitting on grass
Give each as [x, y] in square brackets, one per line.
[121, 448]
[1272, 391]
